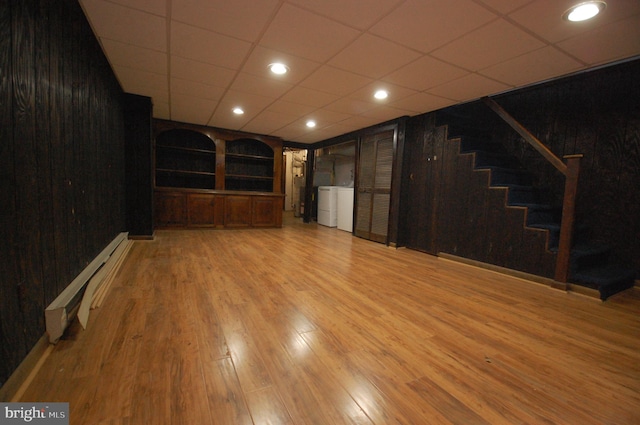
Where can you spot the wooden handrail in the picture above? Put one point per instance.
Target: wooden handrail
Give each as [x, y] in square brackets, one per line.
[568, 216]
[571, 172]
[526, 135]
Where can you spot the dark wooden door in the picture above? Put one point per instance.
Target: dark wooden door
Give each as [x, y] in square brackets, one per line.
[375, 166]
[424, 171]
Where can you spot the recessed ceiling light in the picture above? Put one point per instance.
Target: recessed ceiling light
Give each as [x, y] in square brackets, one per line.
[311, 123]
[238, 110]
[278, 68]
[381, 94]
[584, 11]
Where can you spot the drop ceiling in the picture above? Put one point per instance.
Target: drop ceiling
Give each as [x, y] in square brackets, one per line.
[198, 59]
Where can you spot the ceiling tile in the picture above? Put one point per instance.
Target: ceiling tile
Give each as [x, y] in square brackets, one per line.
[373, 56]
[420, 103]
[130, 26]
[161, 110]
[305, 96]
[292, 133]
[324, 117]
[338, 129]
[157, 7]
[427, 25]
[212, 75]
[261, 57]
[350, 106]
[242, 19]
[425, 73]
[196, 89]
[205, 46]
[335, 81]
[544, 17]
[252, 104]
[359, 121]
[307, 35]
[135, 57]
[267, 122]
[157, 95]
[290, 108]
[469, 87]
[261, 86]
[299, 132]
[139, 81]
[353, 13]
[223, 118]
[505, 6]
[395, 92]
[606, 43]
[386, 113]
[486, 46]
[191, 109]
[538, 65]
[321, 134]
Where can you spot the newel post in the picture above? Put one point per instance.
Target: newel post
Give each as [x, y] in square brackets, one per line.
[568, 217]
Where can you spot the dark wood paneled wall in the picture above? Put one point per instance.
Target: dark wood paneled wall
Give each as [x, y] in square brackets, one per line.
[61, 162]
[138, 123]
[596, 114]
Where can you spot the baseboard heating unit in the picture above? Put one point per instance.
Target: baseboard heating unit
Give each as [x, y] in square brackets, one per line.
[60, 313]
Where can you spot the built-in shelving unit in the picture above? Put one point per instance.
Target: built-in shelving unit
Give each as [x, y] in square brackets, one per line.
[208, 177]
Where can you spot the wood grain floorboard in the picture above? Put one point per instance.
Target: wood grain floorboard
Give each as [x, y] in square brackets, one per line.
[307, 325]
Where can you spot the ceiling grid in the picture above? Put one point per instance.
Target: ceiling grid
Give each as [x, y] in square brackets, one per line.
[198, 59]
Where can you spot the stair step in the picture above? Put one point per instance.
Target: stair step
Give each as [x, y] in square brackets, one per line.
[542, 214]
[508, 176]
[474, 144]
[494, 159]
[608, 279]
[589, 255]
[522, 196]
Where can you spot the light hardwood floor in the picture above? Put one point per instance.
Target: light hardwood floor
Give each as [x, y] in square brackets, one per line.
[309, 325]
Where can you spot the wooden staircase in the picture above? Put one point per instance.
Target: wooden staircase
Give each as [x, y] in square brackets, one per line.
[591, 265]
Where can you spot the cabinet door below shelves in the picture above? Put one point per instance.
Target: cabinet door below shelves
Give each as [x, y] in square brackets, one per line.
[237, 211]
[171, 209]
[202, 209]
[267, 212]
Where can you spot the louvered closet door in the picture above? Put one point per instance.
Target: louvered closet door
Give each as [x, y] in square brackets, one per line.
[374, 186]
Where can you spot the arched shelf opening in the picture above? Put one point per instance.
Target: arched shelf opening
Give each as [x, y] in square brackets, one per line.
[249, 165]
[185, 159]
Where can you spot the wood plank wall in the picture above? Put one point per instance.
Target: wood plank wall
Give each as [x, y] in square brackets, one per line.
[61, 162]
[139, 165]
[596, 114]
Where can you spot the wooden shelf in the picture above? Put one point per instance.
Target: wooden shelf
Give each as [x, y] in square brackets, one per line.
[199, 173]
[246, 177]
[251, 157]
[183, 149]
